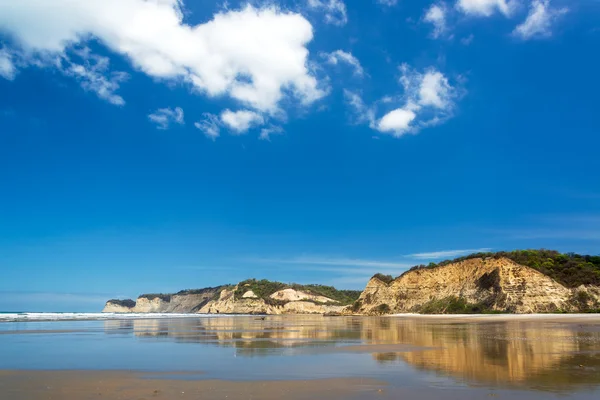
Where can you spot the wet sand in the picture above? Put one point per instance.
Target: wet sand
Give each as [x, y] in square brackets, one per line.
[123, 385]
[128, 385]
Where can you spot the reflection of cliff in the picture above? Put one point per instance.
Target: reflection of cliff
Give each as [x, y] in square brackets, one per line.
[250, 335]
[500, 353]
[523, 354]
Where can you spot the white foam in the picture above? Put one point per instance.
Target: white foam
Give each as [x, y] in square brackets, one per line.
[32, 316]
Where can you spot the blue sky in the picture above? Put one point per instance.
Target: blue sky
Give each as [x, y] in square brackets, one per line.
[161, 145]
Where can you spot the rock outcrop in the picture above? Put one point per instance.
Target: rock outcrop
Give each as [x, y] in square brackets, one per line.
[482, 284]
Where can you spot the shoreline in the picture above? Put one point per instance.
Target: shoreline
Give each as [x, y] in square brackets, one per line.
[75, 317]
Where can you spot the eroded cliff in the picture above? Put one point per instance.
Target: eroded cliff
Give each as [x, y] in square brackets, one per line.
[248, 297]
[474, 285]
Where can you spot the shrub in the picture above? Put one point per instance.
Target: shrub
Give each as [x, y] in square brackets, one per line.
[356, 306]
[383, 309]
[123, 303]
[152, 296]
[453, 305]
[384, 278]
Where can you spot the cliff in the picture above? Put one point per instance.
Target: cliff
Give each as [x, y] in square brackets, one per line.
[247, 297]
[474, 285]
[188, 301]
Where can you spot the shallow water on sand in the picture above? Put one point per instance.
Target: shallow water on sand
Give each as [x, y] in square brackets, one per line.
[529, 359]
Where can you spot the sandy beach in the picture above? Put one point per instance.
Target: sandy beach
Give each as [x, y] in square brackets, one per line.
[527, 357]
[125, 385]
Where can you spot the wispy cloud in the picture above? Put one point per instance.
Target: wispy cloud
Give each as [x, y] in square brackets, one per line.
[539, 20]
[342, 262]
[340, 56]
[563, 227]
[163, 117]
[556, 233]
[447, 253]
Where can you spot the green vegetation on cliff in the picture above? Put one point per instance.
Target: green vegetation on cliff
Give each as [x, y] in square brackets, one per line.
[454, 305]
[152, 296]
[123, 303]
[265, 288]
[570, 270]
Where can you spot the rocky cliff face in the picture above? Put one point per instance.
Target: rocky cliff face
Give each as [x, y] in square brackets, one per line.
[223, 300]
[287, 301]
[178, 303]
[490, 284]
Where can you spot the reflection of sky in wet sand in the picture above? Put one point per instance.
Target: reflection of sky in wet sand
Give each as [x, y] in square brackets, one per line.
[526, 355]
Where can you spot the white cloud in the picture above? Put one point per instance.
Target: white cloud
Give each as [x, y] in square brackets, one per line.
[485, 8]
[265, 133]
[436, 15]
[467, 40]
[428, 100]
[539, 20]
[210, 126]
[435, 90]
[254, 55]
[241, 121]
[335, 10]
[364, 114]
[397, 121]
[164, 116]
[388, 3]
[338, 56]
[7, 68]
[93, 75]
[447, 253]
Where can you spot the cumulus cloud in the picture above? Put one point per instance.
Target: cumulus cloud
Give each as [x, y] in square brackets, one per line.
[334, 10]
[340, 56]
[539, 21]
[428, 99]
[254, 55]
[397, 121]
[163, 117]
[436, 15]
[435, 90]
[210, 125]
[241, 121]
[7, 68]
[485, 8]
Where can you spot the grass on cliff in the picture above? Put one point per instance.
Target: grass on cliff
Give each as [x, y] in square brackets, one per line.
[265, 288]
[570, 269]
[152, 296]
[453, 305]
[123, 303]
